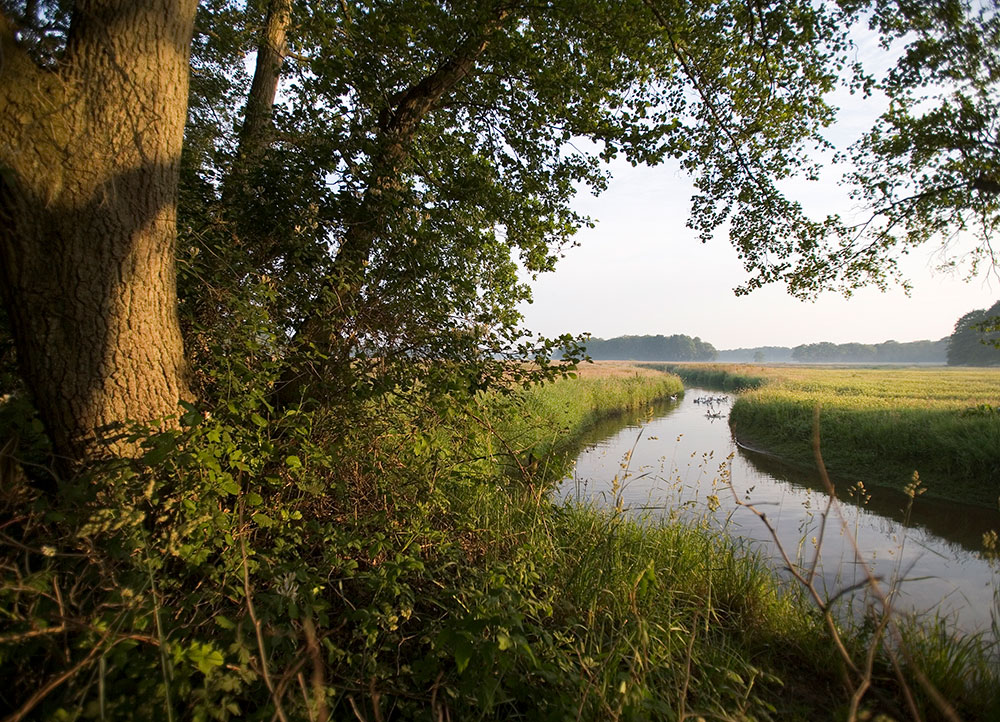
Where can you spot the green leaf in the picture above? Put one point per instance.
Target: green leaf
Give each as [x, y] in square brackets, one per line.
[163, 444]
[463, 652]
[293, 462]
[205, 657]
[258, 419]
[263, 520]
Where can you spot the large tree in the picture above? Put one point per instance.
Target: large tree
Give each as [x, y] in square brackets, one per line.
[90, 145]
[380, 205]
[974, 341]
[423, 150]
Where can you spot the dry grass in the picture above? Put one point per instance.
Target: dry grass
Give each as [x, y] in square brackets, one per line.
[615, 370]
[851, 386]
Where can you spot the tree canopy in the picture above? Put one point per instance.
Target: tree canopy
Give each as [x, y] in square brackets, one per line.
[974, 341]
[932, 352]
[358, 208]
[676, 347]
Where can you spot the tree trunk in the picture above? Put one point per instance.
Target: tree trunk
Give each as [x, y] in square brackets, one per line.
[90, 156]
[239, 192]
[255, 135]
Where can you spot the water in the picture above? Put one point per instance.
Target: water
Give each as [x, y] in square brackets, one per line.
[679, 462]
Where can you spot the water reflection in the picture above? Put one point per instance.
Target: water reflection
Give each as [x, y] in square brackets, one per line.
[678, 459]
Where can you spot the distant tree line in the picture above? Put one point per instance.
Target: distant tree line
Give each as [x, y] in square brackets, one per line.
[976, 341]
[757, 354]
[887, 352]
[651, 348]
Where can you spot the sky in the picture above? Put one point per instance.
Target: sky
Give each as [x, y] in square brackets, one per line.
[641, 271]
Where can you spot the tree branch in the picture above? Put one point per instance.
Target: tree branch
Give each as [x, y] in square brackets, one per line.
[16, 67]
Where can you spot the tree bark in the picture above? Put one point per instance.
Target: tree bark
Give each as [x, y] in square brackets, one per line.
[90, 155]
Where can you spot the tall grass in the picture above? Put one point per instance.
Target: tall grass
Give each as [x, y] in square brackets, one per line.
[713, 377]
[876, 424]
[534, 432]
[955, 454]
[634, 619]
[415, 570]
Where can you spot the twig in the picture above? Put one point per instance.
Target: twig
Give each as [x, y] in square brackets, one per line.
[354, 708]
[21, 636]
[256, 623]
[44, 691]
[318, 677]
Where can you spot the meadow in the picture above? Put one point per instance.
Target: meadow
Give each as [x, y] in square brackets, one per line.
[879, 425]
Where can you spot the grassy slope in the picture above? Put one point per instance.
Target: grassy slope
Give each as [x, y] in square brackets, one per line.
[650, 621]
[877, 424]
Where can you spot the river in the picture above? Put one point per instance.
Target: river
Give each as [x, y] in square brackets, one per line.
[681, 461]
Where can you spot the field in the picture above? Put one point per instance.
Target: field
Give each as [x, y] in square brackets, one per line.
[879, 425]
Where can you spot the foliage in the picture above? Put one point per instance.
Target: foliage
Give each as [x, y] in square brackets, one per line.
[450, 200]
[928, 170]
[974, 341]
[925, 173]
[676, 347]
[887, 352]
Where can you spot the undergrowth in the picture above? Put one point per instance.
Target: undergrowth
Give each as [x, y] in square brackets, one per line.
[267, 564]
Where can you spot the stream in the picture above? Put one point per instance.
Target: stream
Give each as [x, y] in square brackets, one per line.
[680, 462]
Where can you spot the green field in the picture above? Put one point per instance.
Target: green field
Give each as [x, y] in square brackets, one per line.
[879, 425]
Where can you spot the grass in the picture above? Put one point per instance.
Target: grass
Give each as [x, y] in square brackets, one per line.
[638, 620]
[729, 378]
[423, 573]
[879, 425]
[645, 619]
[625, 618]
[535, 432]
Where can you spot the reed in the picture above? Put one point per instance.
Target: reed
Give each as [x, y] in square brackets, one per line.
[878, 425]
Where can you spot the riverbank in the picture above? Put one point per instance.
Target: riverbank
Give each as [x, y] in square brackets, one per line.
[877, 425]
[423, 573]
[666, 619]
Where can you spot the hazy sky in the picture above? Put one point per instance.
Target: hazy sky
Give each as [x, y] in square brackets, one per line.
[641, 271]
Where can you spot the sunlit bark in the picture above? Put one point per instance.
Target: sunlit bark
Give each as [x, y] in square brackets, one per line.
[90, 154]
